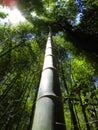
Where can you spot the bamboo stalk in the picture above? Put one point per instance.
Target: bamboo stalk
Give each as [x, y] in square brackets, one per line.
[49, 110]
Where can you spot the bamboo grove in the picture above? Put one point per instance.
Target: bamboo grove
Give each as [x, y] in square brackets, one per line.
[21, 62]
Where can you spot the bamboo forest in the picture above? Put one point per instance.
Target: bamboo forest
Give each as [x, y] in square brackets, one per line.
[49, 65]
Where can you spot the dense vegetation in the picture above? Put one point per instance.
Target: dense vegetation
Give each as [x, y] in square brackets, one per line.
[21, 60]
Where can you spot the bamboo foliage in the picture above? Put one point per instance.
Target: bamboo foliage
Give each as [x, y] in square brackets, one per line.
[49, 110]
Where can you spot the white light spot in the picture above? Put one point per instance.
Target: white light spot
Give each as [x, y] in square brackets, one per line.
[33, 14]
[14, 15]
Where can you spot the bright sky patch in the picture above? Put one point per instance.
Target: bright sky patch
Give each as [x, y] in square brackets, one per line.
[14, 15]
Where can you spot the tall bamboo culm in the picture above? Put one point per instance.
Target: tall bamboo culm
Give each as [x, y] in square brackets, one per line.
[49, 109]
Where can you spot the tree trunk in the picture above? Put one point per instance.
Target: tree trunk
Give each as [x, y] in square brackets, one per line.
[70, 103]
[29, 127]
[84, 113]
[49, 110]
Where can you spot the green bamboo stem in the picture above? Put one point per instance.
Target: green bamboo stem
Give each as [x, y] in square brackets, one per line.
[49, 111]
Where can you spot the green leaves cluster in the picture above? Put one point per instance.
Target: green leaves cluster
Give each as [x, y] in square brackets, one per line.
[21, 59]
[76, 71]
[89, 23]
[2, 14]
[82, 70]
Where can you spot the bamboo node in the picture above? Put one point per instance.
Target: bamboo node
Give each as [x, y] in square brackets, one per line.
[50, 67]
[50, 95]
